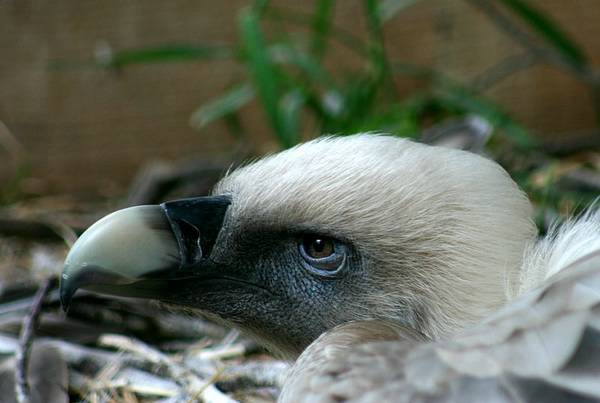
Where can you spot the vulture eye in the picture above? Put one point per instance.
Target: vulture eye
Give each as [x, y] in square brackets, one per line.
[318, 248]
[322, 255]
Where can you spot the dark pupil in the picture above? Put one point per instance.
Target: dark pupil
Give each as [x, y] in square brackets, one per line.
[319, 247]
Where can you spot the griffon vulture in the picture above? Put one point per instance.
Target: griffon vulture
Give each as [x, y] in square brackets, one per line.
[419, 266]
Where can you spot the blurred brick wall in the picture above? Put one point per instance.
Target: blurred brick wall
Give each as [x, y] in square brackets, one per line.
[88, 130]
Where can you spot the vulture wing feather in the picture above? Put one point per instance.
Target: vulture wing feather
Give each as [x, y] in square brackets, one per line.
[543, 346]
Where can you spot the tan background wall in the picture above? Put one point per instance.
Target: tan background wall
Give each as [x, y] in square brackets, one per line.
[87, 130]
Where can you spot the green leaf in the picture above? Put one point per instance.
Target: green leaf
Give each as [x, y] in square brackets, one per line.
[321, 25]
[388, 9]
[395, 119]
[168, 53]
[358, 98]
[259, 7]
[284, 53]
[460, 98]
[344, 37]
[376, 49]
[548, 30]
[382, 82]
[226, 104]
[290, 107]
[265, 75]
[455, 98]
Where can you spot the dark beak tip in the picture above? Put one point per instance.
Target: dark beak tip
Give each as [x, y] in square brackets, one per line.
[66, 293]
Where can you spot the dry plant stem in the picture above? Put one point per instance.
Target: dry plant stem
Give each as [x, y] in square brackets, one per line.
[129, 397]
[141, 349]
[25, 228]
[546, 54]
[154, 182]
[207, 384]
[181, 374]
[573, 143]
[223, 352]
[504, 69]
[582, 72]
[38, 229]
[254, 374]
[30, 322]
[9, 142]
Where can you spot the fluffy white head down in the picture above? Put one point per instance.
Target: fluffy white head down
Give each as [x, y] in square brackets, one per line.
[562, 246]
[449, 227]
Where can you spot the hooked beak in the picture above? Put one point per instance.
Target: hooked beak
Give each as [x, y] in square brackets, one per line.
[143, 251]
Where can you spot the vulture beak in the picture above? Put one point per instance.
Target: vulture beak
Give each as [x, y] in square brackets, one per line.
[146, 251]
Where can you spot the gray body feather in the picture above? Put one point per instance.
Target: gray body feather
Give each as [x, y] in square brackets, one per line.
[542, 347]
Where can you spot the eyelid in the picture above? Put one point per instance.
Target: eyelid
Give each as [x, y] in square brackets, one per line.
[338, 258]
[332, 257]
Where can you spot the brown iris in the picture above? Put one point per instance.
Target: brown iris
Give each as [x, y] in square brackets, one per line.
[318, 247]
[321, 255]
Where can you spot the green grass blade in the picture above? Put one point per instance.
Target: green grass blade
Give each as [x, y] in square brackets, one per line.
[381, 76]
[376, 50]
[291, 105]
[395, 119]
[259, 7]
[305, 63]
[456, 98]
[344, 37]
[265, 75]
[226, 104]
[321, 25]
[169, 53]
[461, 99]
[548, 30]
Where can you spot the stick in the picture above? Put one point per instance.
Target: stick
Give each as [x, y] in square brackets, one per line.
[528, 41]
[26, 336]
[253, 375]
[181, 374]
[45, 230]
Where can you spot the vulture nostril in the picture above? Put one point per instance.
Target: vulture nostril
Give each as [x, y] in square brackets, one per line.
[196, 223]
[192, 249]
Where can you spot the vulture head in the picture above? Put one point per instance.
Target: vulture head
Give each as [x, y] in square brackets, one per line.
[335, 230]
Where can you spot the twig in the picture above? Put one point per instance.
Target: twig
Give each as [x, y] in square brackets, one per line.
[46, 230]
[141, 349]
[9, 142]
[581, 179]
[26, 336]
[181, 374]
[223, 352]
[569, 143]
[208, 387]
[469, 133]
[155, 181]
[524, 38]
[183, 327]
[254, 375]
[129, 396]
[20, 305]
[503, 69]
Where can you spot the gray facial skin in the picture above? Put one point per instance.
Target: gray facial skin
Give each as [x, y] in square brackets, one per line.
[189, 254]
